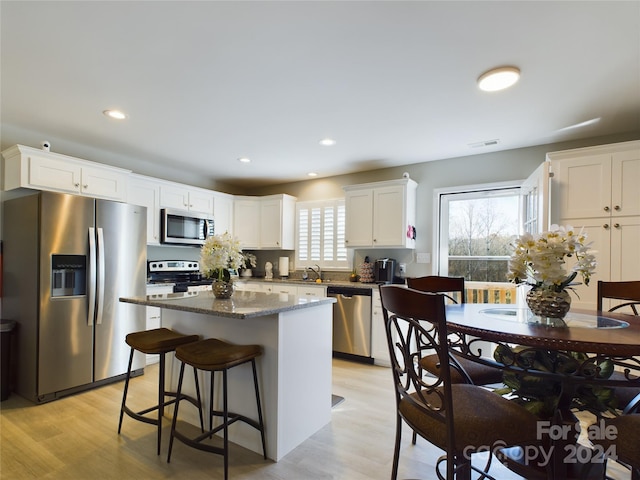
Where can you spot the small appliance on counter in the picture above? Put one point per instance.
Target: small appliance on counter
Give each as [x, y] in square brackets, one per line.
[384, 270]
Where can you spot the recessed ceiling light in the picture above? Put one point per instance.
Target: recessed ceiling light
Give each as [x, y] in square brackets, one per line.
[327, 142]
[498, 79]
[244, 160]
[117, 114]
[312, 174]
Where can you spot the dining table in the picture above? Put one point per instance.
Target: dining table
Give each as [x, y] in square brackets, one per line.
[587, 338]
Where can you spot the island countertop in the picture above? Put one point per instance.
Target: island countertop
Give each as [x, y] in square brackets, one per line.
[240, 305]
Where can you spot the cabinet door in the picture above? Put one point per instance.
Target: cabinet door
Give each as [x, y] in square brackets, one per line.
[271, 223]
[625, 248]
[389, 229]
[246, 222]
[147, 194]
[201, 202]
[625, 181]
[598, 232]
[359, 218]
[584, 186]
[53, 174]
[103, 183]
[174, 196]
[223, 213]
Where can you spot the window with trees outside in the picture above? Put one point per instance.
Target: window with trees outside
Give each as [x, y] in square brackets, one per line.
[476, 229]
[320, 239]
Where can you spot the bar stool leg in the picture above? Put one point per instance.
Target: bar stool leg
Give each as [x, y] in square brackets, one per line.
[225, 417]
[126, 388]
[161, 398]
[260, 420]
[175, 411]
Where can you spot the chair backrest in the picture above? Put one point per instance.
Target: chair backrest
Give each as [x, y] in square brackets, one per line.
[437, 284]
[415, 326]
[627, 291]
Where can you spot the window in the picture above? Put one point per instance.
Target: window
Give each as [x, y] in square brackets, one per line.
[476, 227]
[321, 232]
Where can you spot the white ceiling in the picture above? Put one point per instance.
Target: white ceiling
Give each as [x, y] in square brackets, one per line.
[393, 82]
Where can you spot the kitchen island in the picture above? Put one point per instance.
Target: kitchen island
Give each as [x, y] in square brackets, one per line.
[294, 372]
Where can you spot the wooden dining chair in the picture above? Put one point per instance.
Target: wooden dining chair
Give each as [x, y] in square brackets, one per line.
[472, 372]
[629, 293]
[461, 419]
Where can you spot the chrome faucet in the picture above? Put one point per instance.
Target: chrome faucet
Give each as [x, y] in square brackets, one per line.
[318, 272]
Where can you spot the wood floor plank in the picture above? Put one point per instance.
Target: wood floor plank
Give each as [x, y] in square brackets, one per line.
[76, 438]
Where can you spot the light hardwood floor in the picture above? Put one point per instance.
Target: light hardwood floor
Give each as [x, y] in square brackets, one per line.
[76, 438]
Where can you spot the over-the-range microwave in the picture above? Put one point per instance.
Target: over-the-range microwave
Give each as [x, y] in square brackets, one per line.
[185, 228]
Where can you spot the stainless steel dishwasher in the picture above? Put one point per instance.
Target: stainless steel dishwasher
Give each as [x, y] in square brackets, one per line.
[351, 322]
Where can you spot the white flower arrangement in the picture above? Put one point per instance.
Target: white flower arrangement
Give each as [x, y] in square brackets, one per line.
[539, 260]
[219, 254]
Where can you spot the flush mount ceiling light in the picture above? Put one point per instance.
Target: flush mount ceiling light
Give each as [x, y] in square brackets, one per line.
[244, 160]
[498, 79]
[312, 174]
[327, 142]
[117, 114]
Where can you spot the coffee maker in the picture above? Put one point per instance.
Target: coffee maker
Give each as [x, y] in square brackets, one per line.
[384, 270]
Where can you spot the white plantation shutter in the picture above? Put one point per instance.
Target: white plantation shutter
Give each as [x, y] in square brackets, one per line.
[321, 232]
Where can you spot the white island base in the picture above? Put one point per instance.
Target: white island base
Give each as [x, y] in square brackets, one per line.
[294, 372]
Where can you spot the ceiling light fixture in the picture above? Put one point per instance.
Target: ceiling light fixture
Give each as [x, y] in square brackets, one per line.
[244, 160]
[312, 174]
[498, 79]
[327, 142]
[117, 114]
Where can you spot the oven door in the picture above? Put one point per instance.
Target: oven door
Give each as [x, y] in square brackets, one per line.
[185, 228]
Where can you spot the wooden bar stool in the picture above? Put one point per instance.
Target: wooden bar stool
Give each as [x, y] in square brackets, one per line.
[215, 355]
[160, 341]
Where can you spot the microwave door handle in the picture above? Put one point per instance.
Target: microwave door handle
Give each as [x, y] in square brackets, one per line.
[92, 276]
[205, 228]
[101, 265]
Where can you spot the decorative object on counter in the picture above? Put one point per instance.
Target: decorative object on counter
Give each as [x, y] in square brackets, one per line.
[268, 271]
[354, 276]
[539, 261]
[366, 271]
[218, 255]
[283, 266]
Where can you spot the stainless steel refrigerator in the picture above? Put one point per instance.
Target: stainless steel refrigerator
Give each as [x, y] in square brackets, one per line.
[67, 260]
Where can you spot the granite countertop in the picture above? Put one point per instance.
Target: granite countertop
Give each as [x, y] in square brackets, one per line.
[298, 281]
[240, 305]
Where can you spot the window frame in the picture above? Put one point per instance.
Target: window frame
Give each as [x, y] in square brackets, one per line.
[341, 258]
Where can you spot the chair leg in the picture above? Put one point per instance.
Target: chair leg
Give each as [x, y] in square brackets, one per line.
[198, 398]
[126, 388]
[396, 451]
[260, 420]
[226, 424]
[175, 412]
[161, 399]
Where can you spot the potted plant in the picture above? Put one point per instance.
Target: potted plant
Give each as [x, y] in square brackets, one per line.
[218, 255]
[540, 261]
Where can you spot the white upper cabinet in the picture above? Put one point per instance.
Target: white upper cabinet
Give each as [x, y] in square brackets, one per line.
[381, 214]
[265, 222]
[145, 191]
[41, 170]
[596, 181]
[184, 197]
[223, 213]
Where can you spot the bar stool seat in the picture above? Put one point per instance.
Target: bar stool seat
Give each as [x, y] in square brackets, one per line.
[157, 341]
[214, 355]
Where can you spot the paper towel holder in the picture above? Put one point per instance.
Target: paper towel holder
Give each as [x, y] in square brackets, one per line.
[283, 267]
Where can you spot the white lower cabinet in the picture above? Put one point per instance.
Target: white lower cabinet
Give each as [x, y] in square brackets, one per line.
[154, 315]
[379, 348]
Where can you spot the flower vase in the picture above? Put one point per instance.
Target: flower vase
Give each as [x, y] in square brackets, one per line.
[222, 289]
[549, 304]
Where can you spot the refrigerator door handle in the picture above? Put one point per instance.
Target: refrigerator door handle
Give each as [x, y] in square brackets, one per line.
[92, 276]
[100, 276]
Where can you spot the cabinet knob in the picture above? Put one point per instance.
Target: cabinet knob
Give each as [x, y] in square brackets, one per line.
[76, 184]
[606, 209]
[617, 225]
[605, 226]
[617, 208]
[85, 186]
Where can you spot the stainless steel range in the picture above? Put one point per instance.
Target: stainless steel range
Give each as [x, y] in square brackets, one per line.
[183, 274]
